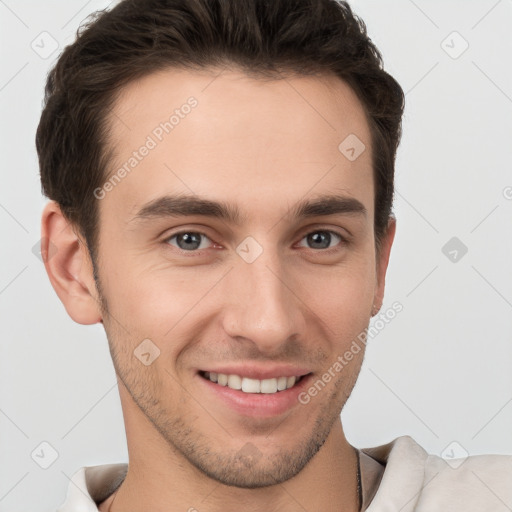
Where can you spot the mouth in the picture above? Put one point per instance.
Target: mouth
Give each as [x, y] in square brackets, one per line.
[249, 385]
[254, 390]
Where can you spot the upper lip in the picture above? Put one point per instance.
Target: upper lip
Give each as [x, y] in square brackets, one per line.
[260, 372]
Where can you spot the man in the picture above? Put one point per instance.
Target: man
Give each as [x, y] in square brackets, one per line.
[221, 184]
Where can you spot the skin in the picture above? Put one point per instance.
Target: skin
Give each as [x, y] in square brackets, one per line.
[264, 146]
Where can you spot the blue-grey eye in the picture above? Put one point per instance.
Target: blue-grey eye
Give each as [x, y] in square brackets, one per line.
[188, 240]
[321, 239]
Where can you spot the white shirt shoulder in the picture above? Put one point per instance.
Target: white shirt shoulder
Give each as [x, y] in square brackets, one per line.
[410, 480]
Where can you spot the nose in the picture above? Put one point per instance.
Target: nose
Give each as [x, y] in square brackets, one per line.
[263, 303]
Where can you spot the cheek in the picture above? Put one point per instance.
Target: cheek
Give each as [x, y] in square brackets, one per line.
[166, 305]
[149, 295]
[342, 297]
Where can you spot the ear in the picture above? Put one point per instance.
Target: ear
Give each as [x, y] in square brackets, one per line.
[69, 266]
[382, 264]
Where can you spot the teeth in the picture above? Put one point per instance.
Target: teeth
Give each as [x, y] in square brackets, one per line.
[247, 385]
[234, 382]
[281, 383]
[268, 385]
[251, 385]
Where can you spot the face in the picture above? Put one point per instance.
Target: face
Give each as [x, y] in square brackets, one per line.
[239, 247]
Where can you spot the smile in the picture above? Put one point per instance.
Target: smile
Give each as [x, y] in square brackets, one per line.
[248, 385]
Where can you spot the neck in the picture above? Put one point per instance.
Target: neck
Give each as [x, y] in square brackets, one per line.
[160, 479]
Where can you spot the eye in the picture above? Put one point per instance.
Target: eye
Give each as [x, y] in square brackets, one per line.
[188, 240]
[322, 239]
[192, 241]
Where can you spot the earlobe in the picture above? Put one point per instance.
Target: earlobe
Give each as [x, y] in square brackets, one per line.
[382, 263]
[69, 266]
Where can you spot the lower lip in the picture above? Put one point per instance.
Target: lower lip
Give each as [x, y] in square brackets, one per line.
[258, 405]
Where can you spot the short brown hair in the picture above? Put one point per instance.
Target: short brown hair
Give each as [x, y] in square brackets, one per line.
[260, 37]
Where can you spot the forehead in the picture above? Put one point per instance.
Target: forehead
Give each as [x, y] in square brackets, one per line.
[223, 135]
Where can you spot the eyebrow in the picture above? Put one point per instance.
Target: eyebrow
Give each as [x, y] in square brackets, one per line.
[187, 205]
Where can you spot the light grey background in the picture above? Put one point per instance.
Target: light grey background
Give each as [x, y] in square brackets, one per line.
[440, 371]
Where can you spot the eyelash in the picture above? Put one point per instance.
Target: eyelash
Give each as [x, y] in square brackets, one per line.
[343, 240]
